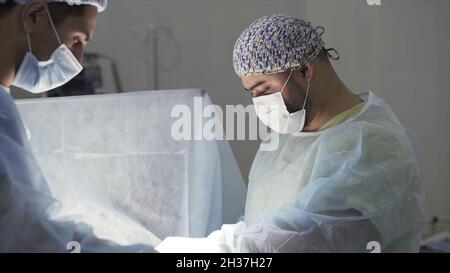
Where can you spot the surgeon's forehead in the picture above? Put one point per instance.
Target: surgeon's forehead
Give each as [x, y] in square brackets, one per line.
[252, 81]
[84, 24]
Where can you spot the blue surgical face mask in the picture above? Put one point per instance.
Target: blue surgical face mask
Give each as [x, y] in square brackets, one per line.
[38, 77]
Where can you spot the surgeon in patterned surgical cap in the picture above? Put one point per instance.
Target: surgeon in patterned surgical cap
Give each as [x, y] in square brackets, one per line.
[344, 176]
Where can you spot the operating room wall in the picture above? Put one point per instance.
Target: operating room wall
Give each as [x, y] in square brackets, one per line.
[399, 50]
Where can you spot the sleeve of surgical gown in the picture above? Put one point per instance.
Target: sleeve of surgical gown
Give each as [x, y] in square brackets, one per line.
[25, 200]
[364, 187]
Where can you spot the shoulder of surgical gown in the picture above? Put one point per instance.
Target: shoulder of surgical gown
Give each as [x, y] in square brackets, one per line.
[24, 195]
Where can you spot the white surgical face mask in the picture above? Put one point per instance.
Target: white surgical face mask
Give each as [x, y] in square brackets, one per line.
[272, 111]
[37, 77]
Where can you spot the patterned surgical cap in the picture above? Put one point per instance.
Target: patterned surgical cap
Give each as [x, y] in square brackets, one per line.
[275, 44]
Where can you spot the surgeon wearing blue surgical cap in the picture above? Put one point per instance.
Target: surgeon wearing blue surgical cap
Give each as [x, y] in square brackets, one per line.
[41, 48]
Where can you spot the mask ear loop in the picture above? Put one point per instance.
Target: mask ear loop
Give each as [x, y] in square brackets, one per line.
[307, 94]
[29, 43]
[53, 25]
[289, 77]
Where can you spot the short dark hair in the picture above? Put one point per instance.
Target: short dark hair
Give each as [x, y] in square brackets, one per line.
[59, 11]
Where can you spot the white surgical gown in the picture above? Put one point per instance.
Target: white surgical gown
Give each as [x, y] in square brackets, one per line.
[26, 202]
[336, 190]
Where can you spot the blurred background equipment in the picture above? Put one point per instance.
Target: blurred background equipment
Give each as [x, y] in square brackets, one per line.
[90, 80]
[158, 40]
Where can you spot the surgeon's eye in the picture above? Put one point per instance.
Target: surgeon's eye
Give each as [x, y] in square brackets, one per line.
[261, 92]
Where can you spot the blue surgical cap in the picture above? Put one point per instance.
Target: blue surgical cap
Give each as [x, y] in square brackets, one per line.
[100, 4]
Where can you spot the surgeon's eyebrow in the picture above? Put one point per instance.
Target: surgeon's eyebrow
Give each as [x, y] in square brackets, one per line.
[254, 86]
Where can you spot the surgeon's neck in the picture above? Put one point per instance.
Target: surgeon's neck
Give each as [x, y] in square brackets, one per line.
[9, 58]
[330, 99]
[7, 69]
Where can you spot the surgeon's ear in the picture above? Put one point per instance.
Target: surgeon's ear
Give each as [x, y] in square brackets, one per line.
[33, 14]
[307, 72]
